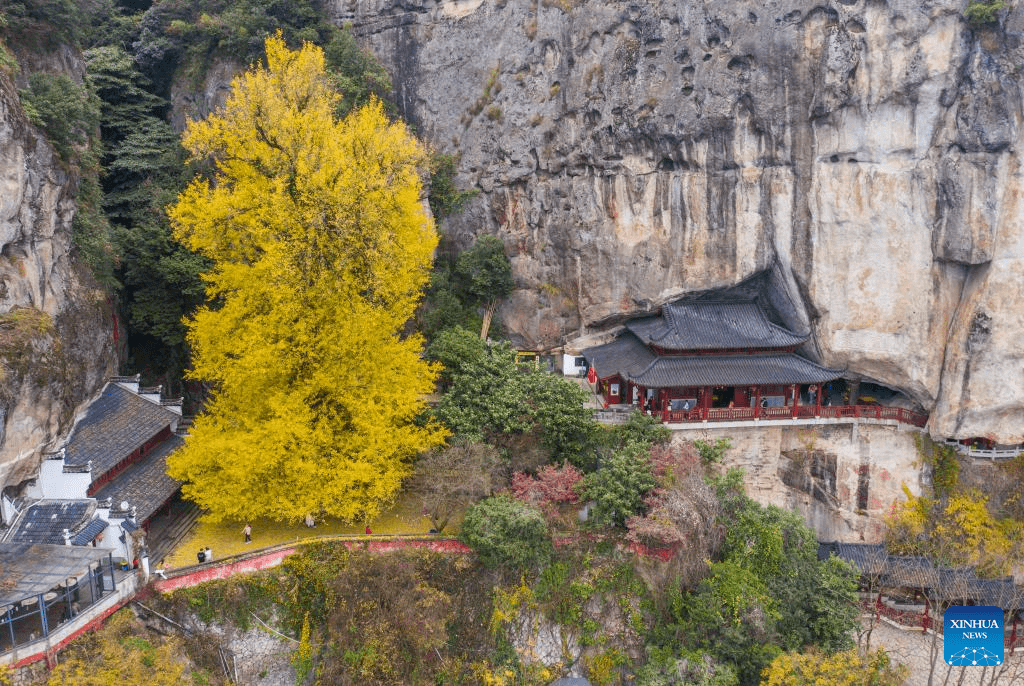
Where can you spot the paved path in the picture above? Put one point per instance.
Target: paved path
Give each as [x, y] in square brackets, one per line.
[912, 648]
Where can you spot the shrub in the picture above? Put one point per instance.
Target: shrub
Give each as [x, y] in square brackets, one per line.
[506, 531]
[619, 487]
[64, 110]
[552, 488]
[978, 13]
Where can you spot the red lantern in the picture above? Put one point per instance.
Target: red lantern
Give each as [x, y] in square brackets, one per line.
[592, 375]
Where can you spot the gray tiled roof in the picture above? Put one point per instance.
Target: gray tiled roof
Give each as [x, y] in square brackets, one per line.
[625, 356]
[45, 521]
[114, 425]
[145, 485]
[87, 535]
[867, 558]
[946, 583]
[713, 325]
[909, 572]
[733, 370]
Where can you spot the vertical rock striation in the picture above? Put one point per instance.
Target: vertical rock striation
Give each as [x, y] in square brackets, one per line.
[55, 324]
[628, 152]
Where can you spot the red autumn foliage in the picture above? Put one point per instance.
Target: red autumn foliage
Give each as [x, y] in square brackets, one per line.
[552, 488]
[673, 462]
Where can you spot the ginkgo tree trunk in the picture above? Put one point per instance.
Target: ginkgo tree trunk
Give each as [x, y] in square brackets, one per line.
[321, 248]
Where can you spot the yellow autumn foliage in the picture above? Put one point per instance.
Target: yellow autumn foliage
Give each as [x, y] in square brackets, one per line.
[960, 531]
[847, 668]
[321, 248]
[120, 654]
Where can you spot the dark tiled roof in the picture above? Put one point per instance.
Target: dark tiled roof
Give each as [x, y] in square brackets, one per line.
[45, 521]
[31, 569]
[713, 325]
[944, 583]
[90, 532]
[114, 425]
[909, 572]
[999, 592]
[145, 485]
[867, 558]
[625, 356]
[733, 370]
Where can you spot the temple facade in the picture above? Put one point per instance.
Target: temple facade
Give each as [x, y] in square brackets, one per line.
[725, 361]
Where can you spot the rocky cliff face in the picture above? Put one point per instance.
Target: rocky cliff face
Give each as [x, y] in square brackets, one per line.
[55, 325]
[865, 153]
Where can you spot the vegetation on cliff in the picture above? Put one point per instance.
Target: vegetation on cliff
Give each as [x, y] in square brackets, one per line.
[533, 605]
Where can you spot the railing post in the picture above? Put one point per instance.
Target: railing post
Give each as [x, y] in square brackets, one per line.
[42, 616]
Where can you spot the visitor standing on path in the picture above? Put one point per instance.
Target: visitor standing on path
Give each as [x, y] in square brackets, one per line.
[247, 530]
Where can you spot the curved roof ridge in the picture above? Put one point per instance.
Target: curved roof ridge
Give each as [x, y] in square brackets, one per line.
[670, 319]
[646, 369]
[779, 327]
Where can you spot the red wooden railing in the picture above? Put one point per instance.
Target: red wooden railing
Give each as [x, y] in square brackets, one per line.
[1013, 634]
[737, 414]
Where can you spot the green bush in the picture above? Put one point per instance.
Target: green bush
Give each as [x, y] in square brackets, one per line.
[66, 112]
[445, 199]
[978, 13]
[619, 486]
[506, 531]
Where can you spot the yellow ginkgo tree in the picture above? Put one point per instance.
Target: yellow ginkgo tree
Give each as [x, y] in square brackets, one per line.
[321, 248]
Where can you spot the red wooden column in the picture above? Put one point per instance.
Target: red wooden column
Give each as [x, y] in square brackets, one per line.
[757, 402]
[817, 400]
[705, 402]
[793, 396]
[663, 394]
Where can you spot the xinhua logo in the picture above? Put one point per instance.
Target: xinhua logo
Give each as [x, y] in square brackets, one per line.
[973, 636]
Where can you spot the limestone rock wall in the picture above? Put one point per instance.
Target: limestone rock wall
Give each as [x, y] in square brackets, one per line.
[844, 478]
[630, 152]
[58, 369]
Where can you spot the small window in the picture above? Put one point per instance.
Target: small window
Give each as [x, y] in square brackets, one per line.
[615, 389]
[581, 362]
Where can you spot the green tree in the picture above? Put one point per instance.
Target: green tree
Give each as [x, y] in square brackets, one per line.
[391, 623]
[506, 531]
[732, 616]
[143, 165]
[66, 111]
[445, 199]
[980, 12]
[356, 73]
[817, 599]
[320, 249]
[489, 397]
[618, 487]
[486, 275]
[43, 22]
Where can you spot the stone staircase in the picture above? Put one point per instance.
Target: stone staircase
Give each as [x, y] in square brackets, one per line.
[181, 522]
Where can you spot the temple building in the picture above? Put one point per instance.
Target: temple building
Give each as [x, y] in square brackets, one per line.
[714, 360]
[108, 482]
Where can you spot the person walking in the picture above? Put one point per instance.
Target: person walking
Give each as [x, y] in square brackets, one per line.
[247, 530]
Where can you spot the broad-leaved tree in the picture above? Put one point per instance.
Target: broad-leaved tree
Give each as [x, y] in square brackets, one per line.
[321, 247]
